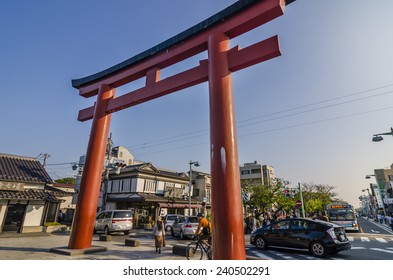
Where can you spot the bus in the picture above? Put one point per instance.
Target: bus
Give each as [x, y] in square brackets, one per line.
[343, 214]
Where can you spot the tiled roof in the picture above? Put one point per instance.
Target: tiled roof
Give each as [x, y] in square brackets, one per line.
[29, 194]
[149, 168]
[22, 169]
[57, 192]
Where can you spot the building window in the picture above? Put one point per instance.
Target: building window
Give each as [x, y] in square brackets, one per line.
[244, 172]
[126, 185]
[169, 184]
[150, 186]
[254, 171]
[114, 186]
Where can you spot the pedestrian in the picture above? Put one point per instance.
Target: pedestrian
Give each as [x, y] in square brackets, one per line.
[60, 217]
[380, 218]
[159, 234]
[390, 221]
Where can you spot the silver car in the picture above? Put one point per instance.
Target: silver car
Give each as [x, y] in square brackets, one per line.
[185, 227]
[114, 221]
[170, 219]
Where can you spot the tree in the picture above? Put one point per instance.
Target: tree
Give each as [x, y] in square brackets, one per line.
[269, 197]
[67, 180]
[317, 196]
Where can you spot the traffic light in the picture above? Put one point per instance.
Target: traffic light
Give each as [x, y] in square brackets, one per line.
[119, 166]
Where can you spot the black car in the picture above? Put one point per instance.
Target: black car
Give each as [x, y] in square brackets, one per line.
[318, 237]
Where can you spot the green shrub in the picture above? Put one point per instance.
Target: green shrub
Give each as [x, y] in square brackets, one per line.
[52, 224]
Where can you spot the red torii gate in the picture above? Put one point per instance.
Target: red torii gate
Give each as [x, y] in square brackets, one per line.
[212, 35]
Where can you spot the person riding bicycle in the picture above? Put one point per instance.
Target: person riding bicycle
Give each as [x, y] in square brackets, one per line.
[206, 226]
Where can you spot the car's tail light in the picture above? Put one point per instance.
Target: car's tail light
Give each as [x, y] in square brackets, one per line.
[121, 220]
[188, 226]
[332, 233]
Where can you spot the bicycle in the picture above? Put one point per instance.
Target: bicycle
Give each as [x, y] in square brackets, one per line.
[195, 249]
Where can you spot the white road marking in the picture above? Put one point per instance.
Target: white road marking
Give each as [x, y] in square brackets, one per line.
[381, 250]
[365, 239]
[285, 256]
[381, 240]
[262, 256]
[350, 238]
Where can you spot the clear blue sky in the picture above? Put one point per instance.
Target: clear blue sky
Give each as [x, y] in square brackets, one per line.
[310, 113]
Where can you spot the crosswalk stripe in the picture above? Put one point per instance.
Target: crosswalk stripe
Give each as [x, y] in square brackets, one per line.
[365, 239]
[351, 238]
[381, 240]
[381, 250]
[311, 258]
[262, 256]
[284, 256]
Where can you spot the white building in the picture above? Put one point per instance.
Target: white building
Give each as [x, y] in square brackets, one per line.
[256, 174]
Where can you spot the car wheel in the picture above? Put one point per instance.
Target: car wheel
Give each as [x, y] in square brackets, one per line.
[106, 231]
[127, 232]
[318, 249]
[168, 228]
[182, 235]
[260, 242]
[172, 233]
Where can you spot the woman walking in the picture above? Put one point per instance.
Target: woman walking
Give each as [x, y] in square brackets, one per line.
[159, 234]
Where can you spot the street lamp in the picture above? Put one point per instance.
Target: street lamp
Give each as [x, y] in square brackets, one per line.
[378, 137]
[195, 163]
[369, 176]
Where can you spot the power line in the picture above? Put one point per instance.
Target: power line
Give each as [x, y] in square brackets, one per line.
[275, 129]
[204, 132]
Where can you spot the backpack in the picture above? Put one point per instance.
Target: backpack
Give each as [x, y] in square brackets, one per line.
[206, 230]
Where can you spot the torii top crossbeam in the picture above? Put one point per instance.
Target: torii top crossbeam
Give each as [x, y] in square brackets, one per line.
[231, 21]
[212, 35]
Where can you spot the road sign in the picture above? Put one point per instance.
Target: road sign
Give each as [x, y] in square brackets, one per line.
[298, 203]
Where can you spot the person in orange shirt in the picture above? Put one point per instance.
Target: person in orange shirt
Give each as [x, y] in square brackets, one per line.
[205, 227]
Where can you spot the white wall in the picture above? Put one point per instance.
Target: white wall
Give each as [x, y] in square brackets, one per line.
[3, 207]
[140, 184]
[33, 215]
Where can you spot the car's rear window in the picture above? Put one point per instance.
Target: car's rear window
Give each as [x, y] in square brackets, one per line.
[122, 214]
[193, 220]
[171, 218]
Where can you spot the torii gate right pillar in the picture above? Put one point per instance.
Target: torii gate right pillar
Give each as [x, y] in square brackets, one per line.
[228, 233]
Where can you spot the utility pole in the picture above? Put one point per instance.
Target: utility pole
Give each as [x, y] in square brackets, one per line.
[301, 199]
[45, 156]
[106, 174]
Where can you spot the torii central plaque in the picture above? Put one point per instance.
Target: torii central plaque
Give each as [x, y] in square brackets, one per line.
[213, 35]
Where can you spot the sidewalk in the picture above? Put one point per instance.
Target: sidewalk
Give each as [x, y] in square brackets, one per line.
[37, 246]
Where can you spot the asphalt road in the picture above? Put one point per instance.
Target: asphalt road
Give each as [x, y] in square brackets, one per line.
[374, 242]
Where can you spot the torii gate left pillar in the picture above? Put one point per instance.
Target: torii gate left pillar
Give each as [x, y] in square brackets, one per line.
[212, 35]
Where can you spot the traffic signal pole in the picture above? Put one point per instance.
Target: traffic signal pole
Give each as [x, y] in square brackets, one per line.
[301, 199]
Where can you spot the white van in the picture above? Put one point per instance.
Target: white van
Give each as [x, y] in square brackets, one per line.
[114, 221]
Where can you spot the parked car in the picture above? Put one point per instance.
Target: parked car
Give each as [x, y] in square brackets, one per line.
[170, 219]
[185, 227]
[318, 237]
[114, 221]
